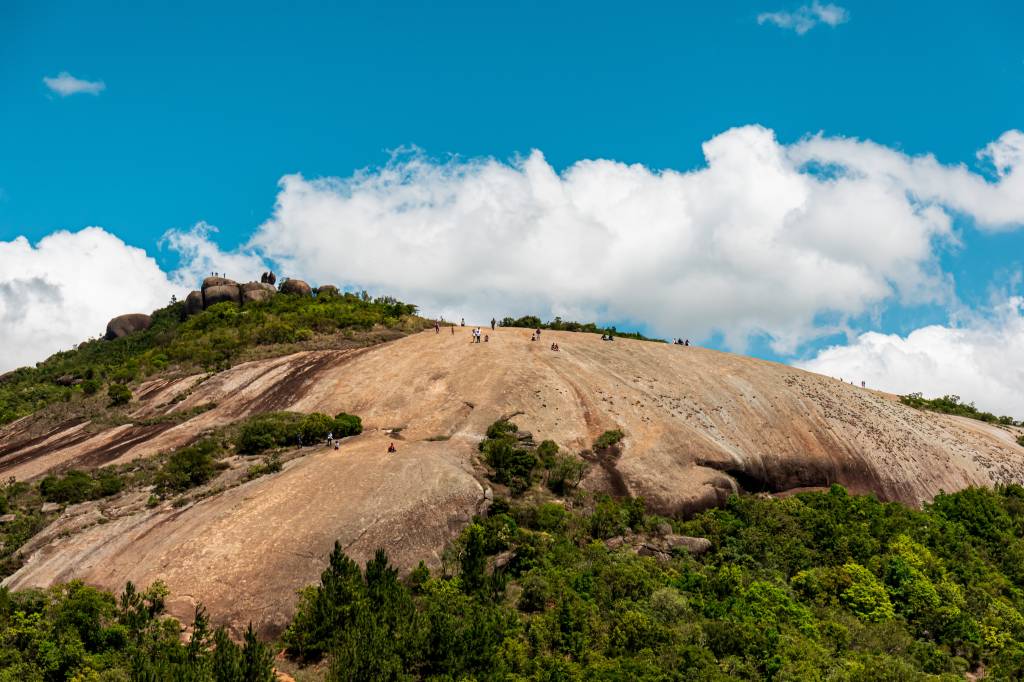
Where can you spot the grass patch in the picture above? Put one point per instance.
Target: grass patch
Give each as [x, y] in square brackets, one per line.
[951, 404]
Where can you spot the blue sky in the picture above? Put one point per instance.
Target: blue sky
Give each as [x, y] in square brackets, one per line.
[203, 111]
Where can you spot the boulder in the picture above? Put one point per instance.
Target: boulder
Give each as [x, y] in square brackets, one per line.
[325, 290]
[296, 286]
[217, 282]
[193, 303]
[219, 293]
[123, 325]
[690, 544]
[256, 291]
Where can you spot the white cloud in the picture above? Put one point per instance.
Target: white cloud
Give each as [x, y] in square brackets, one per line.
[766, 239]
[981, 361]
[65, 288]
[65, 84]
[806, 17]
[199, 256]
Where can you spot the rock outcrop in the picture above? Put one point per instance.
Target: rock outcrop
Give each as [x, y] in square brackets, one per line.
[253, 292]
[296, 287]
[193, 303]
[222, 293]
[123, 325]
[699, 424]
[216, 289]
[325, 290]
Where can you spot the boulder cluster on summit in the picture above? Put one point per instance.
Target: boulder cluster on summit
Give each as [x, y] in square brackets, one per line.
[216, 289]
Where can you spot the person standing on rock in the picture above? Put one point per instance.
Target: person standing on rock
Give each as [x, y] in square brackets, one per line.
[330, 438]
[437, 328]
[463, 323]
[493, 322]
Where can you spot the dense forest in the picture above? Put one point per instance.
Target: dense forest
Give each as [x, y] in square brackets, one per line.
[824, 586]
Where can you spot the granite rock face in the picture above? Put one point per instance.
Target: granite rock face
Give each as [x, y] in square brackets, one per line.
[296, 287]
[123, 325]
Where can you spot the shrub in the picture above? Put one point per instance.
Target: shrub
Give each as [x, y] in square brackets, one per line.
[546, 452]
[608, 439]
[90, 386]
[565, 474]
[271, 465]
[270, 430]
[188, 467]
[119, 394]
[347, 425]
[513, 466]
[78, 486]
[283, 429]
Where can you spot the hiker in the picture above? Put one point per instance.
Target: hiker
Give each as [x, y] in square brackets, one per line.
[493, 322]
[538, 333]
[330, 439]
[862, 384]
[437, 328]
[687, 342]
[392, 449]
[453, 329]
[463, 323]
[478, 334]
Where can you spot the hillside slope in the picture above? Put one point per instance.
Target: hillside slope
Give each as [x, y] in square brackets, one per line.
[699, 424]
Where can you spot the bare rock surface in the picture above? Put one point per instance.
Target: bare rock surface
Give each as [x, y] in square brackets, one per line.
[296, 287]
[193, 303]
[699, 425]
[123, 325]
[221, 293]
[253, 292]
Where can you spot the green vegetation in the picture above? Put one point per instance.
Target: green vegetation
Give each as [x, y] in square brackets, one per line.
[558, 324]
[214, 339]
[818, 586]
[271, 465]
[24, 503]
[950, 404]
[119, 394]
[78, 486]
[76, 632]
[280, 429]
[608, 439]
[188, 467]
[514, 461]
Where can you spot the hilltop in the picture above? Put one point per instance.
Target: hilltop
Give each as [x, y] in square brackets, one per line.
[698, 425]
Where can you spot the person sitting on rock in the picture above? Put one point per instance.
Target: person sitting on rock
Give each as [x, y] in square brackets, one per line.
[392, 449]
[533, 337]
[486, 337]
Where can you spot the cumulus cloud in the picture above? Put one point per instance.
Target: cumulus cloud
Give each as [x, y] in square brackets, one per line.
[200, 256]
[806, 17]
[981, 361]
[765, 239]
[64, 84]
[62, 290]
